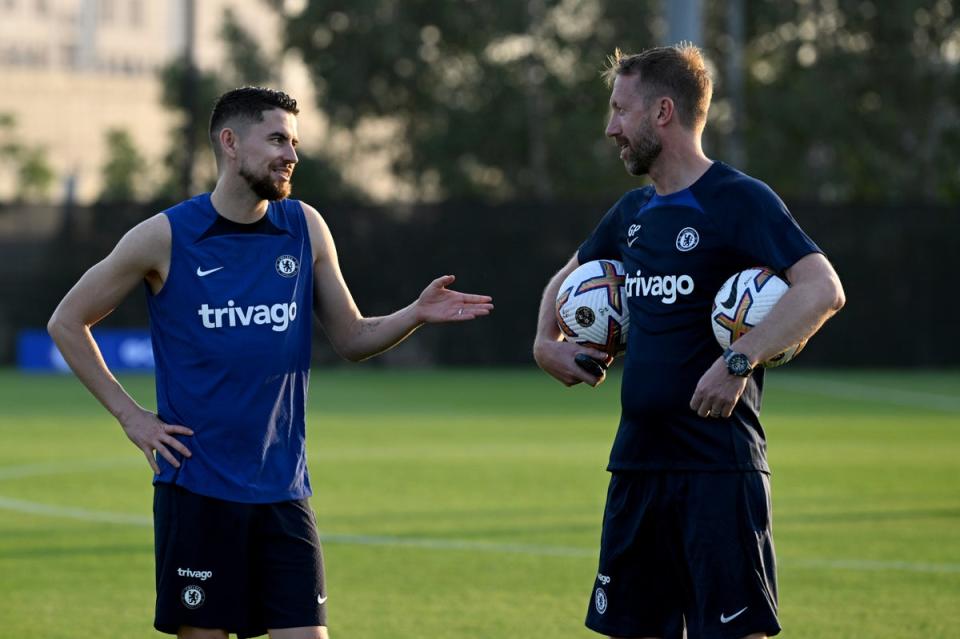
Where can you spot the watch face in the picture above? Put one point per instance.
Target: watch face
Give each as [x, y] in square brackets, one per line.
[738, 364]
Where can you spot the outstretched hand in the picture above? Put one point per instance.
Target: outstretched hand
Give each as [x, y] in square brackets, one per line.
[437, 303]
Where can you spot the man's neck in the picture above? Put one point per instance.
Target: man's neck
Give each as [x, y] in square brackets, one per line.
[679, 169]
[236, 202]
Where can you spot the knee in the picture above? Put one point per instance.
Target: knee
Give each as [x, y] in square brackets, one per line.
[189, 632]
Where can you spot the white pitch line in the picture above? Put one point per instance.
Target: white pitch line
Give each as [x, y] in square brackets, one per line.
[873, 394]
[872, 564]
[457, 544]
[425, 543]
[61, 468]
[82, 514]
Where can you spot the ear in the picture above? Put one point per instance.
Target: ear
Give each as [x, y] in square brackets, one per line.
[665, 111]
[229, 142]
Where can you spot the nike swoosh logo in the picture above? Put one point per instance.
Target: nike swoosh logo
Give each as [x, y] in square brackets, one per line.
[728, 303]
[202, 273]
[321, 599]
[632, 240]
[725, 619]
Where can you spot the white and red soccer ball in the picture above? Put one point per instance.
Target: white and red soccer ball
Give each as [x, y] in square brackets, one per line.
[744, 301]
[592, 306]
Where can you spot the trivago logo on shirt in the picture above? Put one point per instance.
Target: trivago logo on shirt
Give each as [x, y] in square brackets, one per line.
[277, 316]
[666, 287]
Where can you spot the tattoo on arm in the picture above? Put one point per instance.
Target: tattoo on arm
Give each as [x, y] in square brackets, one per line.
[370, 325]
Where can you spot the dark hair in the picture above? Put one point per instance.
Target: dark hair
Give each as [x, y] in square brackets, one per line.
[678, 71]
[247, 103]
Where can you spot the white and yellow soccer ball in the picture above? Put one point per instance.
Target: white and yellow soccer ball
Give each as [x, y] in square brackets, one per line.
[592, 306]
[744, 301]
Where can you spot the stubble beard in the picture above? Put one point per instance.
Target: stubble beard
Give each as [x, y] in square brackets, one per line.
[263, 186]
[642, 155]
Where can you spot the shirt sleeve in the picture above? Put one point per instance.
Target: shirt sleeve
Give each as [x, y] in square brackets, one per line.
[603, 243]
[766, 232]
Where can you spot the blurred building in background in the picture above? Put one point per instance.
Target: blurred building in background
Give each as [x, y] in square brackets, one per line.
[72, 70]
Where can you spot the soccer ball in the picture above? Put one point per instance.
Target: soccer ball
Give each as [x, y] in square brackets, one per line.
[592, 306]
[742, 303]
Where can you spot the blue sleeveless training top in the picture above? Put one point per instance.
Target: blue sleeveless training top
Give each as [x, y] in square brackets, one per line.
[231, 332]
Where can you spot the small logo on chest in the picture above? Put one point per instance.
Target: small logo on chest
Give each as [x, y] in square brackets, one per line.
[688, 239]
[201, 272]
[287, 265]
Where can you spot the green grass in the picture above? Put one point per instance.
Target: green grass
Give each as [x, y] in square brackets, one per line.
[467, 504]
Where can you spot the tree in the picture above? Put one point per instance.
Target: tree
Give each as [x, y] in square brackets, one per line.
[844, 100]
[123, 166]
[35, 176]
[9, 146]
[31, 171]
[246, 59]
[854, 101]
[495, 99]
[247, 64]
[190, 108]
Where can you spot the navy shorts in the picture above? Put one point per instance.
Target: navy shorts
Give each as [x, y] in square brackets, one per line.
[686, 550]
[238, 567]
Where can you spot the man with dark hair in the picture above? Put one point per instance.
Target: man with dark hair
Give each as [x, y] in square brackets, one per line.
[230, 277]
[686, 542]
[242, 108]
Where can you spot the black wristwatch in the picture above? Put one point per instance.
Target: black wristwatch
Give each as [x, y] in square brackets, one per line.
[737, 363]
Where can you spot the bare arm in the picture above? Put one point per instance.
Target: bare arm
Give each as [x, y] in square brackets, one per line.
[143, 253]
[356, 337]
[814, 296]
[552, 353]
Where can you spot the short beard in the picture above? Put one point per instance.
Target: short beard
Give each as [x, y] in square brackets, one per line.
[640, 158]
[263, 187]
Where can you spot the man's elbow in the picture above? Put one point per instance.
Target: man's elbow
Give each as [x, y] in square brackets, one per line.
[55, 326]
[834, 297]
[63, 323]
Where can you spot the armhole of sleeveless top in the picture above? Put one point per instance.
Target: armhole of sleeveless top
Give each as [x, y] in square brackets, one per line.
[305, 230]
[166, 282]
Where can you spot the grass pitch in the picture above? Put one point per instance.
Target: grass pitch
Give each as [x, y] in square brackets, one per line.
[467, 504]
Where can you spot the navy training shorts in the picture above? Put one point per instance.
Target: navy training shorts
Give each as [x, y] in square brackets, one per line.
[686, 550]
[238, 567]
